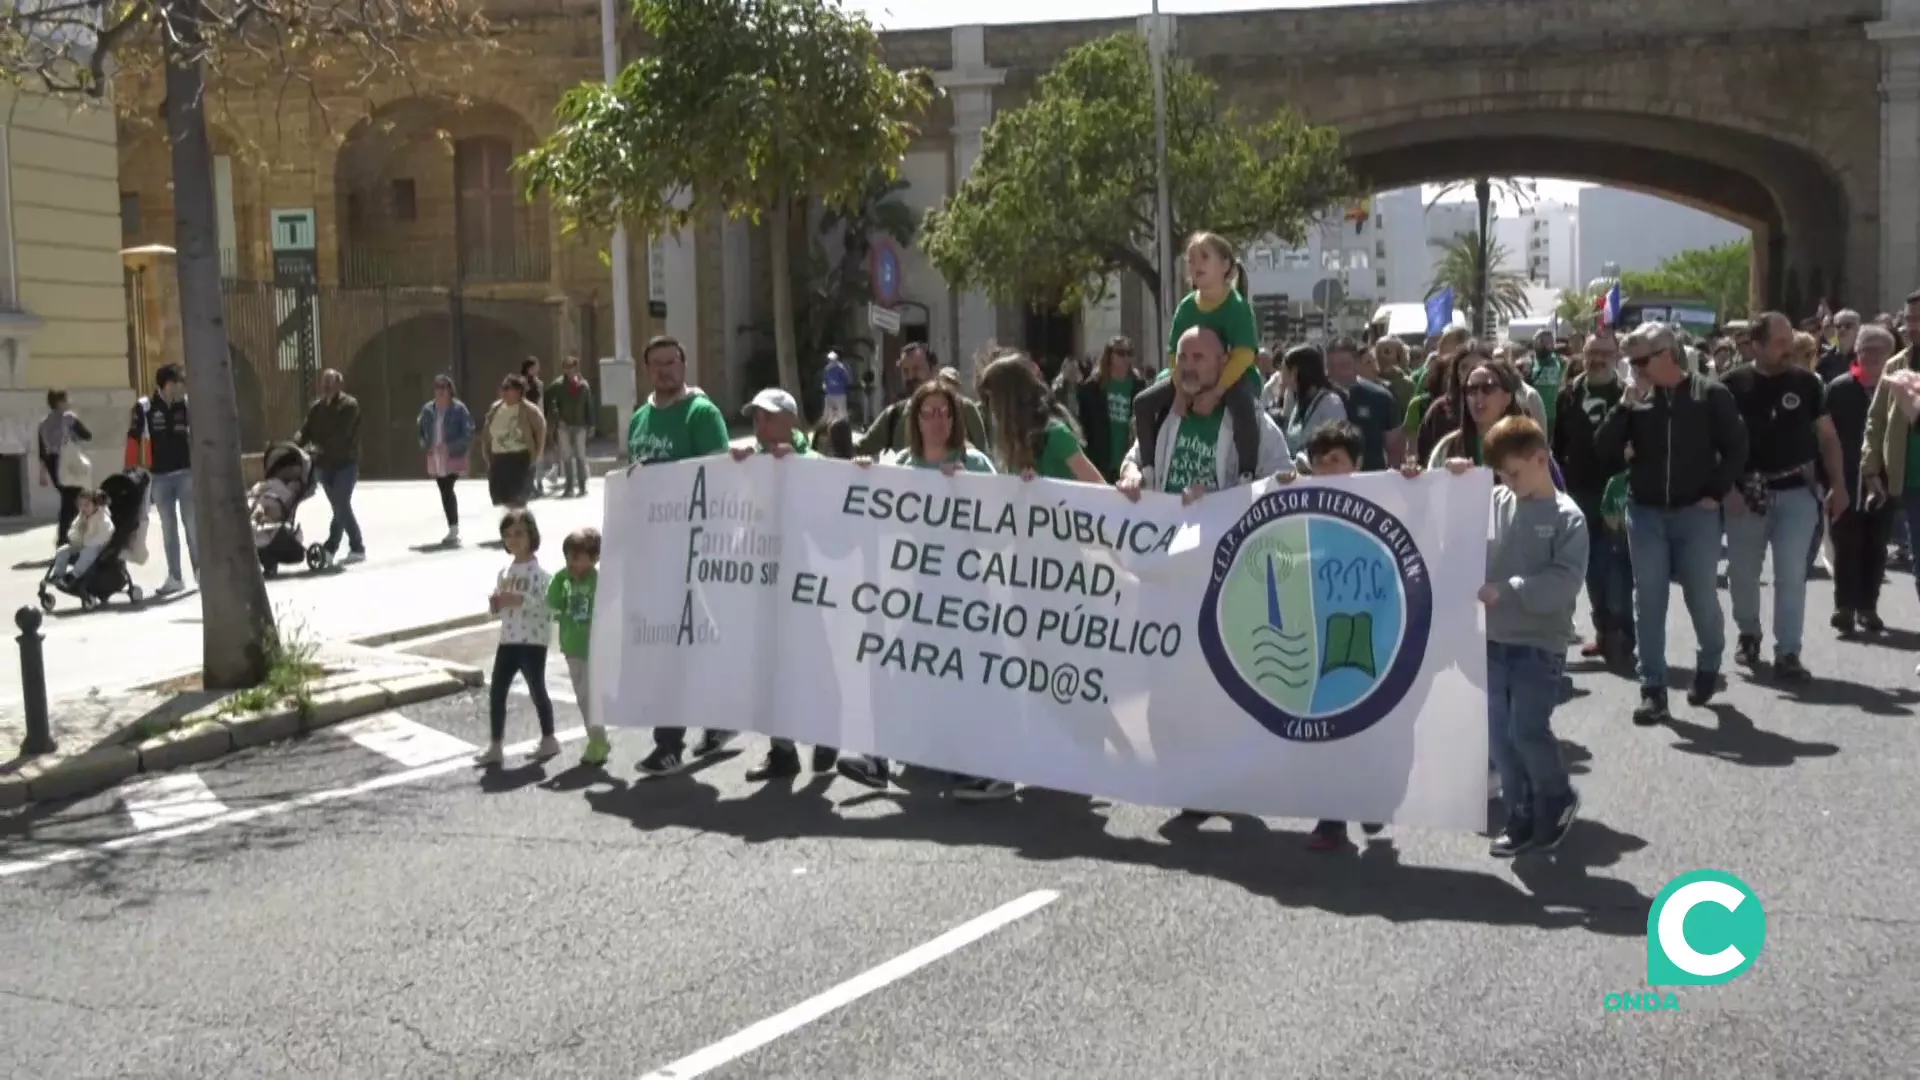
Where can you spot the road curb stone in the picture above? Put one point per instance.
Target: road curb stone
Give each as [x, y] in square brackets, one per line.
[203, 738]
[189, 744]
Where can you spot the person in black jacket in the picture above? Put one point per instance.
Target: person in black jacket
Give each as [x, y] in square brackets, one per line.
[1860, 534]
[1581, 407]
[1689, 451]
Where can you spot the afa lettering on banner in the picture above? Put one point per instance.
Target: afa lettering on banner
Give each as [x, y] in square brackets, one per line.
[1282, 650]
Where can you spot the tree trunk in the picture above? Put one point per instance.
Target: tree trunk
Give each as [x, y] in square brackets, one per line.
[1482, 273]
[780, 251]
[236, 619]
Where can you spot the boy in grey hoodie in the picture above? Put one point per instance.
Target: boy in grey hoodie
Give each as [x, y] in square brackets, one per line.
[1536, 567]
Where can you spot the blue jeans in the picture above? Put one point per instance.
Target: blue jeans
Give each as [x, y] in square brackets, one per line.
[338, 483]
[1787, 527]
[173, 500]
[1609, 572]
[1670, 544]
[1523, 689]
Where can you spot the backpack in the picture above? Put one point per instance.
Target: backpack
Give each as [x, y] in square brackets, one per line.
[1152, 406]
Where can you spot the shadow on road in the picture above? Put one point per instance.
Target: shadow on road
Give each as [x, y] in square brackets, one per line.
[1735, 739]
[1050, 826]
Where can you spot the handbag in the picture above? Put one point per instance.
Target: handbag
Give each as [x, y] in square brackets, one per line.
[76, 469]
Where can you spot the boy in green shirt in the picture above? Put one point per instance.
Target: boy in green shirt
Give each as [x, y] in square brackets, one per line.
[570, 598]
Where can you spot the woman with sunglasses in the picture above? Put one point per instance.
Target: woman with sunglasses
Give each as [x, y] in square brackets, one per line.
[1487, 391]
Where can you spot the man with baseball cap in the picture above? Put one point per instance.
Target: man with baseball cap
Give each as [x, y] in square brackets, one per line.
[776, 423]
[775, 417]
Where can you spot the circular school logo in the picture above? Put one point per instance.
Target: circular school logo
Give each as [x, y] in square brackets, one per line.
[1315, 619]
[1790, 401]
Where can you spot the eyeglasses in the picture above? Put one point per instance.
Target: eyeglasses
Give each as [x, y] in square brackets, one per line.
[936, 414]
[1482, 389]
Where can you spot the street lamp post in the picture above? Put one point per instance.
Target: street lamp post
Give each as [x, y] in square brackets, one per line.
[1163, 218]
[622, 271]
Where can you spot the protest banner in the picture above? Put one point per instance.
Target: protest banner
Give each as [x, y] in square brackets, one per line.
[1309, 650]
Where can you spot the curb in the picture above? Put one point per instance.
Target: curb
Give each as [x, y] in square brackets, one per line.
[390, 637]
[203, 736]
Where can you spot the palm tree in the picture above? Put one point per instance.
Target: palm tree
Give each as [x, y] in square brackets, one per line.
[1470, 265]
[1521, 192]
[1577, 308]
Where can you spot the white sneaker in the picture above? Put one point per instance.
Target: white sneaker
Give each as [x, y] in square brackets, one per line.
[548, 749]
[354, 557]
[169, 587]
[452, 539]
[492, 755]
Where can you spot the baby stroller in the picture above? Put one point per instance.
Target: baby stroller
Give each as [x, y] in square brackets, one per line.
[287, 480]
[127, 495]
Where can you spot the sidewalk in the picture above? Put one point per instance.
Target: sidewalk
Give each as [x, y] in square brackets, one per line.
[407, 582]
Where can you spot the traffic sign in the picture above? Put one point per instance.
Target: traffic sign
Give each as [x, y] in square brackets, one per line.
[885, 320]
[884, 266]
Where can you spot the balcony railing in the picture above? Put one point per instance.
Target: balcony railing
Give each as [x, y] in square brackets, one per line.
[365, 265]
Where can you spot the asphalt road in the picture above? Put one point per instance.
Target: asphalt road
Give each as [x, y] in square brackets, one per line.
[559, 922]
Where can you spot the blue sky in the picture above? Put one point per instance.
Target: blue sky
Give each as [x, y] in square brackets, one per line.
[916, 14]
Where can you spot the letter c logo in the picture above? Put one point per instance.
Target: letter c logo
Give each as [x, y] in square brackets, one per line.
[1673, 928]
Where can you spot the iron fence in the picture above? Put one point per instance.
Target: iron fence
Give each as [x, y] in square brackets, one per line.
[390, 343]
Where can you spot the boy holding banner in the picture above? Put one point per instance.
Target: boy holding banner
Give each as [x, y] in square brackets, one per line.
[1536, 568]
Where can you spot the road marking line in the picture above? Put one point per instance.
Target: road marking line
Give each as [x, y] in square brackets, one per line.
[744, 1042]
[408, 742]
[409, 644]
[267, 810]
[565, 696]
[159, 802]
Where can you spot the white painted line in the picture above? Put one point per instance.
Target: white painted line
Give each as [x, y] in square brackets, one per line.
[161, 802]
[738, 1045]
[552, 693]
[267, 810]
[408, 742]
[405, 644]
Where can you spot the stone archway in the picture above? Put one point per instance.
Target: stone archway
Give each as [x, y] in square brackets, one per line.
[1798, 209]
[423, 196]
[392, 377]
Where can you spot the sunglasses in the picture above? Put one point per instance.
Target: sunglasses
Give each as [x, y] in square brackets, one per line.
[1482, 389]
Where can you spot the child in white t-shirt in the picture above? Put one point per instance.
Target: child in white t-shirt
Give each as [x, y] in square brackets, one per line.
[526, 626]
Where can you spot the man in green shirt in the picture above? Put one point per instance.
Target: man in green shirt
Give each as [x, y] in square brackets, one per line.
[1548, 372]
[776, 417]
[676, 422]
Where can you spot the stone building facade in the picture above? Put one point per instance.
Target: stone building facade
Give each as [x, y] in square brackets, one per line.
[1800, 121]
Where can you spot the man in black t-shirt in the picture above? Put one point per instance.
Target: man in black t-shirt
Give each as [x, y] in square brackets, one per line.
[1369, 406]
[1791, 441]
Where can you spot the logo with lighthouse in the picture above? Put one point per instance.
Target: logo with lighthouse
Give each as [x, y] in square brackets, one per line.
[1316, 613]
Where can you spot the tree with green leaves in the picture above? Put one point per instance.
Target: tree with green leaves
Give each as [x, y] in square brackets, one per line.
[77, 49]
[1470, 258]
[834, 279]
[747, 108]
[1720, 276]
[1063, 194]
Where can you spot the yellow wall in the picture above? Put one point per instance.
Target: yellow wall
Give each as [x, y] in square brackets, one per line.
[64, 183]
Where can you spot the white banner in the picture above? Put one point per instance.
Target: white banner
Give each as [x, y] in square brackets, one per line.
[1310, 650]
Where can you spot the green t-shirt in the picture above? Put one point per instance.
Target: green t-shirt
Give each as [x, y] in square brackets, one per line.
[688, 428]
[971, 460]
[801, 445]
[571, 601]
[1057, 452]
[1912, 479]
[1120, 394]
[1548, 372]
[1196, 453]
[1416, 412]
[1613, 501]
[1233, 320]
